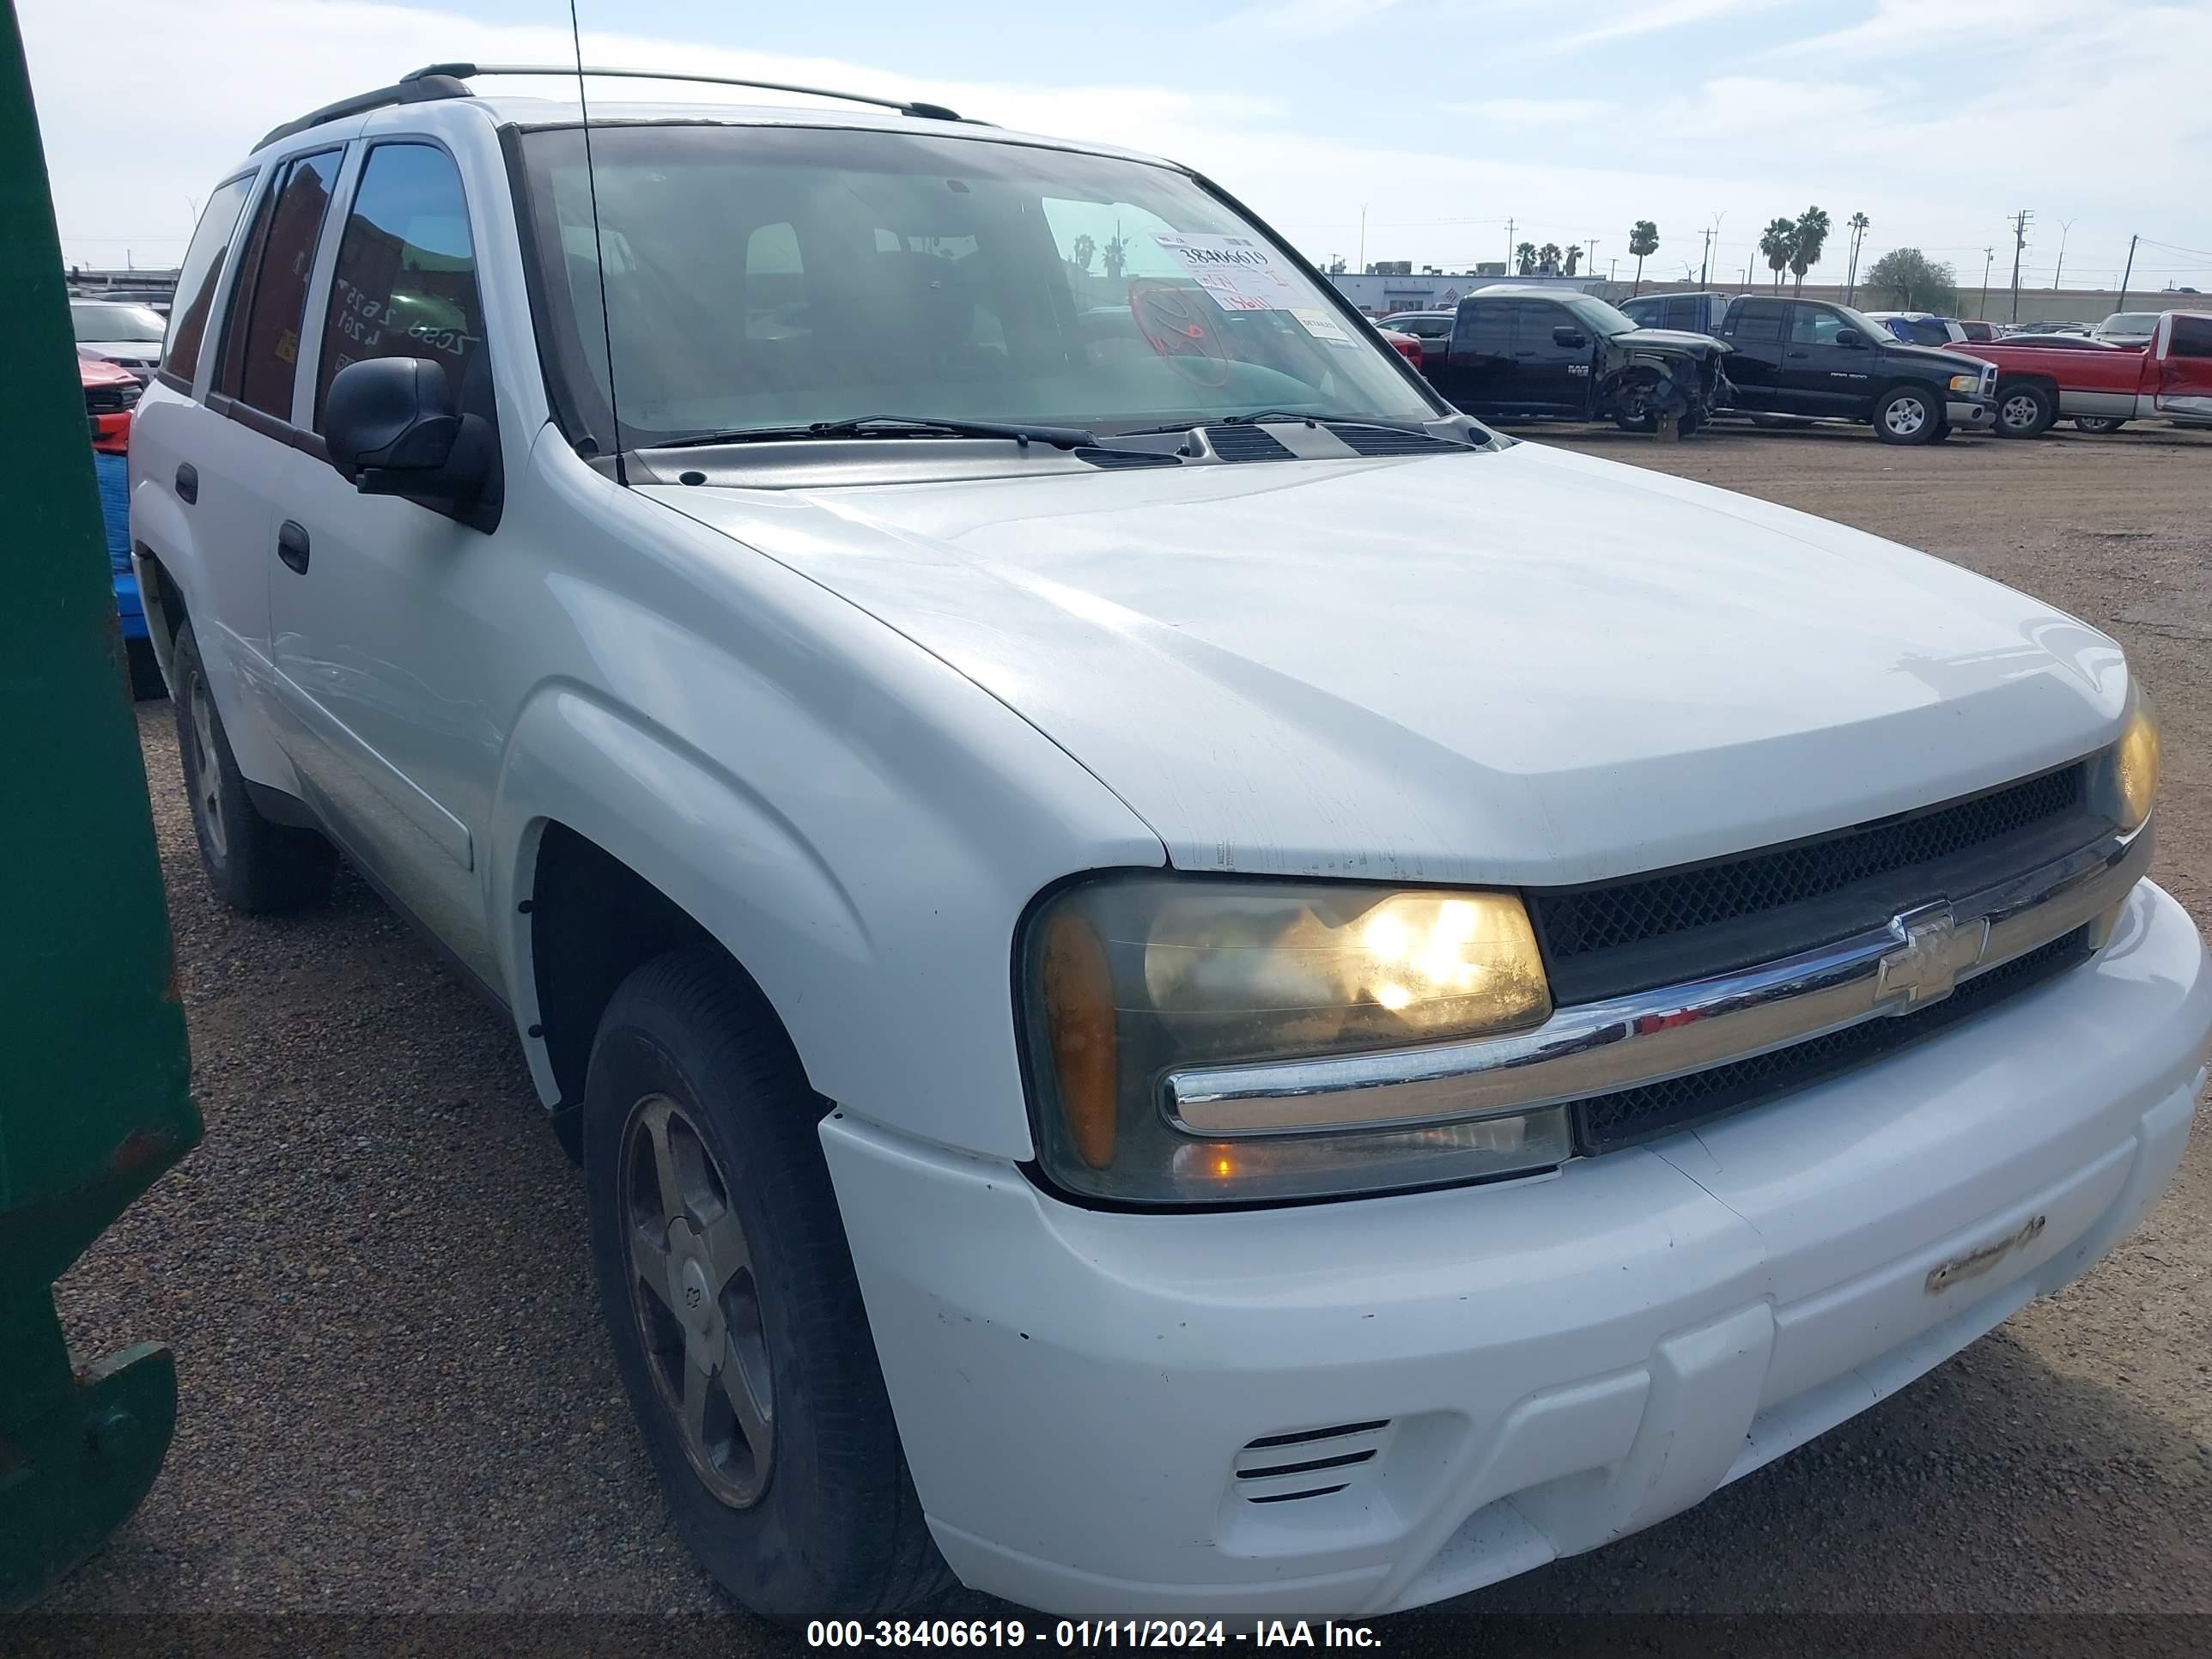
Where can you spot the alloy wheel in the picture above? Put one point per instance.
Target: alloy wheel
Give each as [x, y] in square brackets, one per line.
[1906, 416]
[207, 775]
[2020, 411]
[696, 1301]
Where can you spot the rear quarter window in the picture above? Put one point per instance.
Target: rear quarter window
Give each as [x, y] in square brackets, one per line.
[198, 276]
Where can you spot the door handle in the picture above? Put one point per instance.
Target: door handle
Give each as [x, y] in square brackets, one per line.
[188, 482]
[292, 546]
[1796, 353]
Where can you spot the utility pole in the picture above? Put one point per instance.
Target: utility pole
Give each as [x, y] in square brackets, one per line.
[2128, 272]
[1859, 224]
[1989, 258]
[2065, 225]
[1512, 258]
[1363, 236]
[2019, 242]
[1705, 264]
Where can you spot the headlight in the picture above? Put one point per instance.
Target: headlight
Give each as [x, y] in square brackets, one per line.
[1127, 978]
[2127, 773]
[1966, 382]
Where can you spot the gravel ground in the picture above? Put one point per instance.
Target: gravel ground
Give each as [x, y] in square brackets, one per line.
[397, 1399]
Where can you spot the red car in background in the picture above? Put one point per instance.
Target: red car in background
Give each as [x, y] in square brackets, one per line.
[2101, 387]
[1404, 344]
[110, 394]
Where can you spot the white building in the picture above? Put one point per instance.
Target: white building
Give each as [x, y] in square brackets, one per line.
[1379, 296]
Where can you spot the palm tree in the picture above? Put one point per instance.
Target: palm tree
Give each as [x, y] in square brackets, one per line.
[1086, 250]
[1117, 255]
[1574, 256]
[1525, 256]
[1859, 224]
[1812, 235]
[1643, 241]
[1548, 258]
[1778, 242]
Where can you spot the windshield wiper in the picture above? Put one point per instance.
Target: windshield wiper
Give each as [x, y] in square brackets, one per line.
[1259, 415]
[893, 426]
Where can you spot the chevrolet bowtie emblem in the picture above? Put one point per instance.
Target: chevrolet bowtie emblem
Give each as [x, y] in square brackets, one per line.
[1935, 948]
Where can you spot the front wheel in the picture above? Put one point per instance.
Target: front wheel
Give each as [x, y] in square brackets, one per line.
[1907, 415]
[2025, 410]
[729, 1292]
[2098, 424]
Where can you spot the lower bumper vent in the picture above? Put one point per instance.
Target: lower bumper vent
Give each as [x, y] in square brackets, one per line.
[1282, 1468]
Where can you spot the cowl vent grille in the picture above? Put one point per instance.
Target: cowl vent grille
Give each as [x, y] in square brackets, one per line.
[1381, 440]
[1246, 443]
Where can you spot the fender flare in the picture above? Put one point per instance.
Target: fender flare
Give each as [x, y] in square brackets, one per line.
[574, 760]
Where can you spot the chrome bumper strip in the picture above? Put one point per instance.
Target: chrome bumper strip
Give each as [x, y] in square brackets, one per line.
[1597, 1047]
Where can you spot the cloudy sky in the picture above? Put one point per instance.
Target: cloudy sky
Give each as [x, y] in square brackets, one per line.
[1442, 119]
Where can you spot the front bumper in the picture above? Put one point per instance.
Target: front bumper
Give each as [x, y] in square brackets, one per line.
[1531, 1369]
[1970, 416]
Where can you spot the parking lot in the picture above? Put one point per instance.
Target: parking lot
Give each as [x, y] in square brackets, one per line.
[397, 1396]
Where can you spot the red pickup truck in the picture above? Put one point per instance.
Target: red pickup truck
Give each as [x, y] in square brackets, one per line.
[2100, 388]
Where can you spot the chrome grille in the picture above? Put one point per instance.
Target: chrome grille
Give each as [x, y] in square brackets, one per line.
[1608, 1122]
[1606, 916]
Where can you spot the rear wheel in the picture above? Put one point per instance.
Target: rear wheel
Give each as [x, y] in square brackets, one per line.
[2097, 423]
[2025, 410]
[1907, 415]
[251, 863]
[729, 1292]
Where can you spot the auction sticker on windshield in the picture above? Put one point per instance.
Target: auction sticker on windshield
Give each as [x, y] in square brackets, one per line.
[1241, 274]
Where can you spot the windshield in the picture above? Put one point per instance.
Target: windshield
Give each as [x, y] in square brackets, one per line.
[2129, 322]
[762, 277]
[103, 320]
[1602, 318]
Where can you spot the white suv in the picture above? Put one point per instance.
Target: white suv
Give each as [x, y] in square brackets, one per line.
[1185, 983]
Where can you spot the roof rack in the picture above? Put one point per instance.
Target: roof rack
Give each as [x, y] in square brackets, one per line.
[438, 80]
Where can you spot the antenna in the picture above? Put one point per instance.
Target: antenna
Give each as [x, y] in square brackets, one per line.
[598, 245]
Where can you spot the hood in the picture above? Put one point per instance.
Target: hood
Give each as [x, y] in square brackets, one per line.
[124, 351]
[1520, 666]
[1672, 340]
[1949, 359]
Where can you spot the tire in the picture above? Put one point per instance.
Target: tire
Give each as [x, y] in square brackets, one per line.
[252, 863]
[1907, 414]
[146, 682]
[2025, 409]
[799, 1503]
[1640, 423]
[2098, 424]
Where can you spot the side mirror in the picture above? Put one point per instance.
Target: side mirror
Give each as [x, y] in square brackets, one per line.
[1564, 335]
[1850, 336]
[390, 425]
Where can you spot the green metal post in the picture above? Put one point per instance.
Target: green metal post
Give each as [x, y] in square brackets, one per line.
[93, 1103]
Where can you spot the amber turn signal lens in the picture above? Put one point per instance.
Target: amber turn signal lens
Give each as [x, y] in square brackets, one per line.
[1078, 1007]
[2136, 764]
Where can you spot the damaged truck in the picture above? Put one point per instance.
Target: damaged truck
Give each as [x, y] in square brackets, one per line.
[1535, 352]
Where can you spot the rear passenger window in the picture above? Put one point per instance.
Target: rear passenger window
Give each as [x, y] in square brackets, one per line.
[1682, 314]
[258, 368]
[405, 283]
[197, 277]
[2192, 338]
[1756, 319]
[1484, 327]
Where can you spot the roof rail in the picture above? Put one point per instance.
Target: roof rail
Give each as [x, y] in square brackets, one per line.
[438, 80]
[568, 71]
[423, 86]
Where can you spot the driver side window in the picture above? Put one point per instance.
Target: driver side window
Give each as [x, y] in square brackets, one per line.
[405, 285]
[1816, 325]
